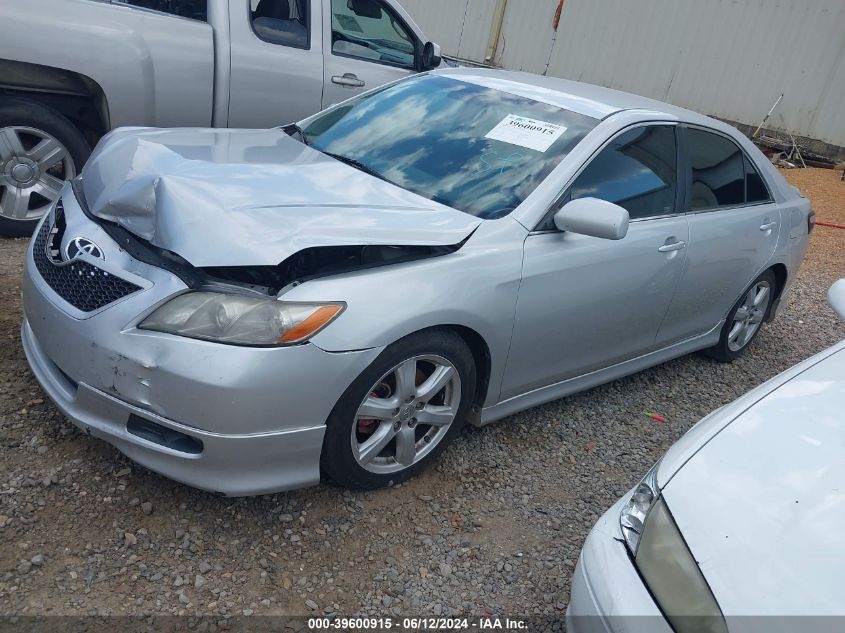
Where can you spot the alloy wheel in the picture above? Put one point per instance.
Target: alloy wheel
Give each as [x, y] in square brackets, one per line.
[33, 167]
[749, 316]
[406, 414]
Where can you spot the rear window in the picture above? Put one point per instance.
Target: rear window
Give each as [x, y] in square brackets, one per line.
[476, 149]
[755, 187]
[194, 9]
[282, 22]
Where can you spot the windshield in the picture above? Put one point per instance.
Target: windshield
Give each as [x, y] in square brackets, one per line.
[475, 149]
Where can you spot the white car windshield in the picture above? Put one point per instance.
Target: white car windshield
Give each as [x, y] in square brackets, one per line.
[473, 148]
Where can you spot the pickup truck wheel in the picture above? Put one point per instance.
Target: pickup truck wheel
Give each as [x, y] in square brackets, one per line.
[39, 150]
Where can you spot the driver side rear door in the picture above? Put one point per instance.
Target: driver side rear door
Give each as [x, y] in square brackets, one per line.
[366, 44]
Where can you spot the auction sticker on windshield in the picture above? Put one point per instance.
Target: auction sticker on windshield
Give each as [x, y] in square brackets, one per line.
[525, 132]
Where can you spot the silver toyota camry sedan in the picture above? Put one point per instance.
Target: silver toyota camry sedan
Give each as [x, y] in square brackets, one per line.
[246, 310]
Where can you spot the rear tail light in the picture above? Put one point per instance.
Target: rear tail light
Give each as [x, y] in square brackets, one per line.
[811, 222]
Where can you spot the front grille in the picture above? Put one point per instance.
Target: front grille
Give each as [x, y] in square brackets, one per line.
[82, 285]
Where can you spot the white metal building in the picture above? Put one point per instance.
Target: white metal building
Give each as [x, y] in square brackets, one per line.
[727, 58]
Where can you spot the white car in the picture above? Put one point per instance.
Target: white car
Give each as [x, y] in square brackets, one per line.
[742, 517]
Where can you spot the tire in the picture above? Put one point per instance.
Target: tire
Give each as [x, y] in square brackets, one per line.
[29, 182]
[432, 357]
[732, 345]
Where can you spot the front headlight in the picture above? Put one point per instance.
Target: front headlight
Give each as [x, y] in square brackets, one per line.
[240, 319]
[666, 564]
[636, 510]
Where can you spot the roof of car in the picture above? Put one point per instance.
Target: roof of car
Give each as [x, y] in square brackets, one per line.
[587, 99]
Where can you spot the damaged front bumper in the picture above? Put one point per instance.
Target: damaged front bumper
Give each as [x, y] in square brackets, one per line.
[235, 465]
[230, 419]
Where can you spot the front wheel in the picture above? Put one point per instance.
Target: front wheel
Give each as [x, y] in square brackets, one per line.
[39, 150]
[399, 415]
[745, 319]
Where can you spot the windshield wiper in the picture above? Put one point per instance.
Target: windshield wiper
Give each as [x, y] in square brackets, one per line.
[356, 164]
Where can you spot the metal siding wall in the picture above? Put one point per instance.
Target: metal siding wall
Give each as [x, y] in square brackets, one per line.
[442, 21]
[461, 27]
[477, 26]
[727, 58]
[526, 35]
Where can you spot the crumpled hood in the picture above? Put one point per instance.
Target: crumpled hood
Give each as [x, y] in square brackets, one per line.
[252, 197]
[762, 504]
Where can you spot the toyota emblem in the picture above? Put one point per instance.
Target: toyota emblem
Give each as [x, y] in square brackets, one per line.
[80, 245]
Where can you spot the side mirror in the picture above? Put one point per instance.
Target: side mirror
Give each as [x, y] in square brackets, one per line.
[431, 56]
[836, 297]
[365, 8]
[593, 217]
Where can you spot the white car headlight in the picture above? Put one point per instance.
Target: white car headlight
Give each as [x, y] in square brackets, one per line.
[240, 319]
[634, 512]
[666, 563]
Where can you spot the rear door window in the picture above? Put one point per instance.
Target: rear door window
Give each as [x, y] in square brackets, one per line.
[283, 22]
[718, 171]
[193, 9]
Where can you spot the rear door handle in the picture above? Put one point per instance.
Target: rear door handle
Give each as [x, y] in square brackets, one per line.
[671, 248]
[768, 226]
[349, 79]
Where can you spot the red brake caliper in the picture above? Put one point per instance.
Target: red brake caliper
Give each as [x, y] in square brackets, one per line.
[367, 426]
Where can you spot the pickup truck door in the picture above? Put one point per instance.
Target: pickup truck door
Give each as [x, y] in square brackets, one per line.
[366, 43]
[277, 61]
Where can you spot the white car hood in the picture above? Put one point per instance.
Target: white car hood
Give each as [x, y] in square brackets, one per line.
[252, 197]
[762, 503]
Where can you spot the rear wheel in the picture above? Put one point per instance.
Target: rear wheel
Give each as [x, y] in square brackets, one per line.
[39, 150]
[401, 413]
[745, 319]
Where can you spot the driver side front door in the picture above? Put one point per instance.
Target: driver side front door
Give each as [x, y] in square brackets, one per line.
[587, 303]
[365, 45]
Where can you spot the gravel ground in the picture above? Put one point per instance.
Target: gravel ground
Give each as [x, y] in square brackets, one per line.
[497, 526]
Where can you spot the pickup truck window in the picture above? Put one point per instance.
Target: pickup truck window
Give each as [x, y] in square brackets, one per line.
[369, 30]
[470, 147]
[193, 9]
[283, 22]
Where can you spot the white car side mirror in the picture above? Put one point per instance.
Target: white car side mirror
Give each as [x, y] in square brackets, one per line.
[593, 217]
[836, 297]
[431, 56]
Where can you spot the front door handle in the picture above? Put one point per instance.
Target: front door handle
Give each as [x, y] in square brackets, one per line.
[671, 248]
[768, 226]
[349, 79]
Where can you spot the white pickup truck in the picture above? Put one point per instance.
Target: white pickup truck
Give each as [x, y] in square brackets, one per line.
[71, 70]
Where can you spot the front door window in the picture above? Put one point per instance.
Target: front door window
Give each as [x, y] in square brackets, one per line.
[369, 30]
[637, 171]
